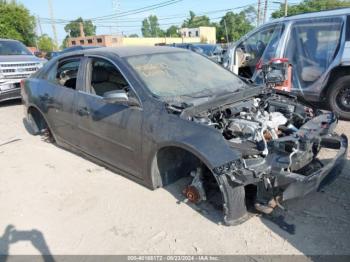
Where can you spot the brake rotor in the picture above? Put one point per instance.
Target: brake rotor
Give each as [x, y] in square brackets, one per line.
[192, 194]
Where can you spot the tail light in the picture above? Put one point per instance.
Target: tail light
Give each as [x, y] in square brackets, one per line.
[22, 83]
[259, 65]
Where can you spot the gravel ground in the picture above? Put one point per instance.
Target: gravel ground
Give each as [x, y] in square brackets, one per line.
[53, 201]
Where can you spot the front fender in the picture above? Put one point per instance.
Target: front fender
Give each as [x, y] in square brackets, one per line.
[212, 150]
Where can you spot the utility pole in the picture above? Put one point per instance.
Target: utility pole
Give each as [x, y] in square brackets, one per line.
[258, 18]
[285, 7]
[226, 30]
[265, 10]
[53, 22]
[116, 9]
[39, 25]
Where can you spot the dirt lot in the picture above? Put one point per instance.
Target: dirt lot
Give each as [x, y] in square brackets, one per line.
[52, 201]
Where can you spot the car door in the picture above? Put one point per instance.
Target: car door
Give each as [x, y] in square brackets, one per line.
[249, 52]
[312, 47]
[108, 131]
[63, 84]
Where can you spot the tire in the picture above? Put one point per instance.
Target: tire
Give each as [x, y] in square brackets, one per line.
[339, 97]
[36, 125]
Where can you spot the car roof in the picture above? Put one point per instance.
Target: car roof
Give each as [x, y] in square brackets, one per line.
[9, 40]
[310, 15]
[125, 51]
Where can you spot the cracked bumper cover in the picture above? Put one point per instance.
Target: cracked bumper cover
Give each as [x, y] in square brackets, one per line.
[232, 186]
[303, 185]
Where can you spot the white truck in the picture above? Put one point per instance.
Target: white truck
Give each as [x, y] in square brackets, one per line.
[16, 63]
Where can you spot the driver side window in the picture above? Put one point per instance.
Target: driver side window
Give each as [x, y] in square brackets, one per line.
[251, 50]
[105, 77]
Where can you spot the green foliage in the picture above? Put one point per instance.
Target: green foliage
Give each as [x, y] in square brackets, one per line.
[73, 28]
[237, 25]
[45, 43]
[134, 35]
[16, 23]
[196, 21]
[150, 27]
[172, 31]
[64, 43]
[311, 6]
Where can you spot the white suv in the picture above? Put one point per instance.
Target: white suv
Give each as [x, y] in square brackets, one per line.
[317, 45]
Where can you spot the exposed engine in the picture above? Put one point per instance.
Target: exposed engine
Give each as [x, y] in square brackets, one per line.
[251, 125]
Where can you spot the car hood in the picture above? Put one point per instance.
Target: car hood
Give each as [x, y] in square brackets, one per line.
[225, 99]
[19, 58]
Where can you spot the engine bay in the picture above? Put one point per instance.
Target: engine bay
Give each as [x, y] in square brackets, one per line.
[255, 126]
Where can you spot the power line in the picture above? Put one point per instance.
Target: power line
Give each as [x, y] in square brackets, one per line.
[62, 21]
[123, 14]
[138, 10]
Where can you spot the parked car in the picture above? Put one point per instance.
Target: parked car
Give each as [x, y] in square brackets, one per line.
[16, 63]
[316, 45]
[150, 114]
[191, 47]
[213, 52]
[77, 48]
[52, 54]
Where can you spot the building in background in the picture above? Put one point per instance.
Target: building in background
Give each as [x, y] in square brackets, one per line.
[200, 35]
[207, 34]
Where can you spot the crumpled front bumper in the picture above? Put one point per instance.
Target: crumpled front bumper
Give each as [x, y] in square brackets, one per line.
[304, 185]
[292, 185]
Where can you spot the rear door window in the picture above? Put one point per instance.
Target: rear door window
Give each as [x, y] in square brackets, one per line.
[312, 47]
[65, 73]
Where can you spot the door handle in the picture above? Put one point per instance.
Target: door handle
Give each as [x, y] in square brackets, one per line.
[83, 111]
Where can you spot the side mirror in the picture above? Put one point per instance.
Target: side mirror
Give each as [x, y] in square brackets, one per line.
[275, 77]
[117, 96]
[120, 97]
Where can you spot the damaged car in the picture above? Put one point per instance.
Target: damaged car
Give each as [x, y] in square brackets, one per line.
[158, 115]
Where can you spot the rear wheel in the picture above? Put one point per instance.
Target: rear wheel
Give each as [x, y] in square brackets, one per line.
[37, 125]
[339, 97]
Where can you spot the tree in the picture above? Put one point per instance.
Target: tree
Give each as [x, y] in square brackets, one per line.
[196, 21]
[73, 28]
[150, 27]
[16, 23]
[172, 31]
[45, 43]
[134, 35]
[64, 43]
[237, 25]
[146, 29]
[251, 14]
[311, 6]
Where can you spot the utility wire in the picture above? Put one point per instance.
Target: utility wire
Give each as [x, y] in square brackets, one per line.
[121, 14]
[62, 21]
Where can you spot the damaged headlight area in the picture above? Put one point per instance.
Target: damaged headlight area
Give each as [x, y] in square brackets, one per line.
[279, 140]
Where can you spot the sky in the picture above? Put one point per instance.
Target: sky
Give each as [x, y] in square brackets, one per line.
[173, 14]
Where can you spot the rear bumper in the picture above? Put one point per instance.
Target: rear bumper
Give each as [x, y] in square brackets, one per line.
[10, 90]
[303, 185]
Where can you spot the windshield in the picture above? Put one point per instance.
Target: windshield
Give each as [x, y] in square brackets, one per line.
[13, 48]
[183, 74]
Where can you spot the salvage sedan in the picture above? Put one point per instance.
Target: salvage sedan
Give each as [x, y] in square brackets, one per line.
[161, 114]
